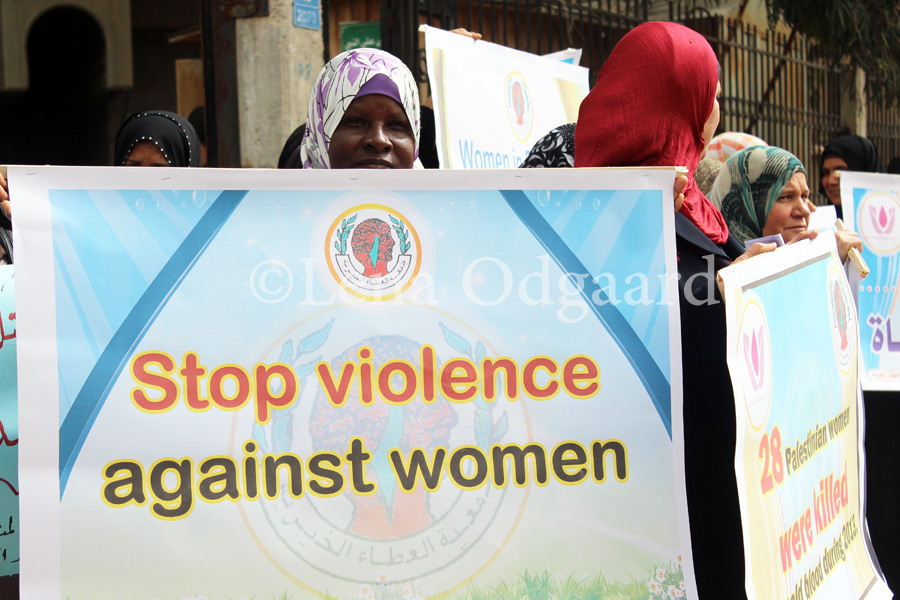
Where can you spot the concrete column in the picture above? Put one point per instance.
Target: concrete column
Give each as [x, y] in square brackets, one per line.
[277, 64]
[853, 100]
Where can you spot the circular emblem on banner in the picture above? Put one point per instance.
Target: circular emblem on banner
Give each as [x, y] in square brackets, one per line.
[843, 326]
[878, 223]
[519, 106]
[397, 516]
[374, 251]
[754, 357]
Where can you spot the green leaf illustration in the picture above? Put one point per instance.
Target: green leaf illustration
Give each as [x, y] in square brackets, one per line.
[456, 341]
[480, 352]
[314, 340]
[499, 429]
[483, 429]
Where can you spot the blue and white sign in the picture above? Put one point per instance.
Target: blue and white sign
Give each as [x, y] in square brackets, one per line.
[306, 14]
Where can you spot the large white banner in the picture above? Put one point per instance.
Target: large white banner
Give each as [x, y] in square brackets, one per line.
[492, 103]
[344, 384]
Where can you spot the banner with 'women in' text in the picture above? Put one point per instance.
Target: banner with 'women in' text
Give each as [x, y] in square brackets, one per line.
[521, 97]
[260, 384]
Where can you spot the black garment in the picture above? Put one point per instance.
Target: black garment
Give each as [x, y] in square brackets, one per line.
[197, 118]
[556, 150]
[6, 247]
[882, 412]
[428, 154]
[173, 135]
[709, 417]
[859, 154]
[290, 154]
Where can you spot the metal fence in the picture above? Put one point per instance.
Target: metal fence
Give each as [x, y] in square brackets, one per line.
[775, 85]
[883, 129]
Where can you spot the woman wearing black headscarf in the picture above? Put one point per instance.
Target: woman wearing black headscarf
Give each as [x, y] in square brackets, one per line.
[157, 139]
[846, 153]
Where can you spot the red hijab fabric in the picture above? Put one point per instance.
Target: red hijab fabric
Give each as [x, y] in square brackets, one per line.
[648, 108]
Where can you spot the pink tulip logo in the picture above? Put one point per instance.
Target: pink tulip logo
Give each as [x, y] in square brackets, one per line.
[882, 220]
[755, 357]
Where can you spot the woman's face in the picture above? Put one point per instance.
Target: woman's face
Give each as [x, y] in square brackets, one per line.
[709, 128]
[374, 133]
[830, 181]
[789, 215]
[146, 154]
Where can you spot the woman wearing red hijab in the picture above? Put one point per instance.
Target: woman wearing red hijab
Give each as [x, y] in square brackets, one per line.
[654, 104]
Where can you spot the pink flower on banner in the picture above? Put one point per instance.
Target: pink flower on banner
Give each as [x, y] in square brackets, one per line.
[882, 220]
[754, 357]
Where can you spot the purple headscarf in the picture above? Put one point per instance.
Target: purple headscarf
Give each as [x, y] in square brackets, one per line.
[345, 77]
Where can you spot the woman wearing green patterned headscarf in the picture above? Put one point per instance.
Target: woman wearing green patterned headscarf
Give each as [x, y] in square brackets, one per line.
[763, 190]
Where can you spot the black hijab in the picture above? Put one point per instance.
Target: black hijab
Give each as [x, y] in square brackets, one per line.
[290, 154]
[173, 135]
[556, 150]
[858, 152]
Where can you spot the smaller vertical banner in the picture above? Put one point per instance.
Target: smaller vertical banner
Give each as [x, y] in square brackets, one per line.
[9, 428]
[792, 353]
[871, 207]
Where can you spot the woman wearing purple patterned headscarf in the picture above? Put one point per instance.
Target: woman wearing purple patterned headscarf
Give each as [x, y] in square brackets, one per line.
[363, 113]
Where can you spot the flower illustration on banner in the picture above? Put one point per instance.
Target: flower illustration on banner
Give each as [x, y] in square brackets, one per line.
[882, 220]
[843, 327]
[754, 357]
[366, 592]
[753, 363]
[877, 215]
